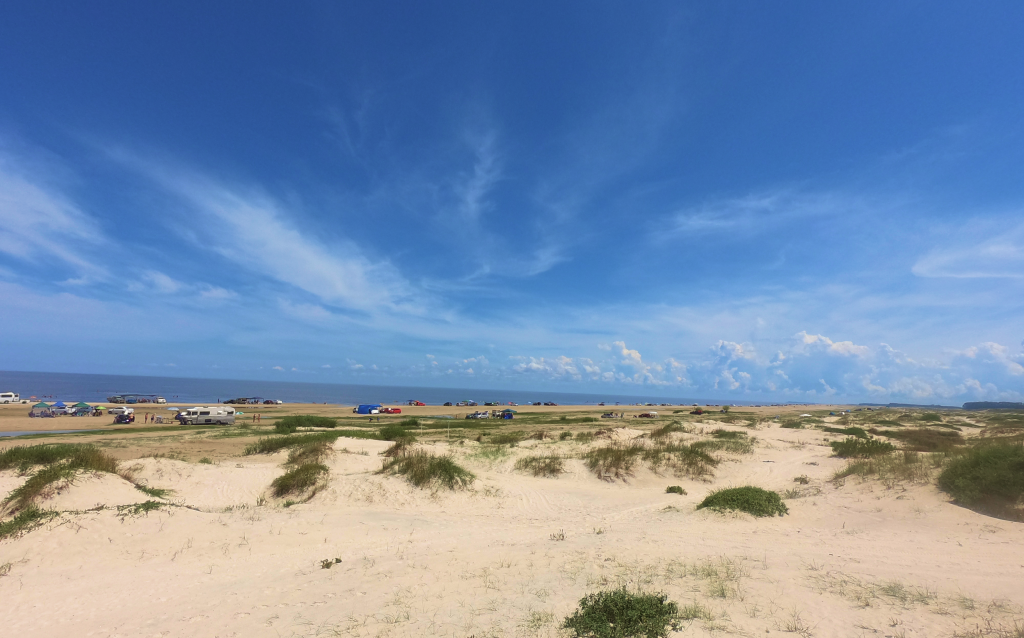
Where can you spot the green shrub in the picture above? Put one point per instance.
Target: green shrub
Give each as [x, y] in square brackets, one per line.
[613, 461]
[793, 425]
[273, 444]
[312, 452]
[728, 434]
[541, 465]
[411, 422]
[584, 438]
[393, 432]
[623, 614]
[565, 436]
[298, 480]
[854, 448]
[749, 499]
[930, 417]
[423, 469]
[675, 489]
[665, 430]
[290, 424]
[206, 460]
[989, 478]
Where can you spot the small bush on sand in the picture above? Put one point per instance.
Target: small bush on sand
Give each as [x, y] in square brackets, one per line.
[749, 499]
[511, 439]
[613, 461]
[565, 436]
[583, 438]
[393, 432]
[272, 444]
[675, 489]
[423, 469]
[989, 478]
[854, 448]
[665, 430]
[682, 459]
[851, 431]
[541, 465]
[301, 479]
[623, 614]
[26, 520]
[291, 423]
[793, 425]
[399, 447]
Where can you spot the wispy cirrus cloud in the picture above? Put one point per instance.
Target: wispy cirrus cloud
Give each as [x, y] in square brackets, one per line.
[992, 248]
[41, 224]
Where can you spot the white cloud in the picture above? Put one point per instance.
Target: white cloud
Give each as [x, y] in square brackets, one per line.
[843, 348]
[999, 255]
[41, 224]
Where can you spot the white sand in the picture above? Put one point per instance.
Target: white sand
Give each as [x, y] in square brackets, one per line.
[482, 562]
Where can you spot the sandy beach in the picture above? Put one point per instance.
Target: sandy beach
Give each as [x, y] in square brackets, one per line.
[511, 555]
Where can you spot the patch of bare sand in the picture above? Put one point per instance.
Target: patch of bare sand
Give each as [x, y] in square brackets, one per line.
[513, 555]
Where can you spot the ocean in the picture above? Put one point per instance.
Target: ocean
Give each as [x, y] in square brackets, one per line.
[71, 388]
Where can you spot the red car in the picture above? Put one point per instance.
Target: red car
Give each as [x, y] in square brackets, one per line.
[391, 410]
[416, 403]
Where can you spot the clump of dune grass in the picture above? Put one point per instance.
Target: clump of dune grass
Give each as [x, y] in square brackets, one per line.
[565, 435]
[852, 447]
[155, 492]
[291, 423]
[311, 452]
[665, 430]
[793, 425]
[24, 457]
[273, 444]
[510, 439]
[423, 469]
[411, 422]
[924, 439]
[25, 521]
[988, 478]
[850, 431]
[618, 461]
[541, 465]
[393, 432]
[303, 478]
[891, 469]
[675, 489]
[727, 441]
[74, 459]
[621, 613]
[583, 438]
[749, 499]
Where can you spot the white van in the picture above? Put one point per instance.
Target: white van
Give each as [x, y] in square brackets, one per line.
[9, 397]
[120, 410]
[219, 414]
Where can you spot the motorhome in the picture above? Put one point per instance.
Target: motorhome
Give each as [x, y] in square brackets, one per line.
[9, 397]
[218, 414]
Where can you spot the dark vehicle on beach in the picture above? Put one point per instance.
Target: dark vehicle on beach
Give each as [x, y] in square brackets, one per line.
[448, 404]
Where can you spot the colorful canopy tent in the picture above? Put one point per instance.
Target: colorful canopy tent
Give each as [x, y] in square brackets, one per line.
[369, 408]
[40, 409]
[59, 404]
[82, 404]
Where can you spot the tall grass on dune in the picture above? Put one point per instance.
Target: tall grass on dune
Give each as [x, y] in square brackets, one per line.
[273, 444]
[423, 469]
[303, 478]
[988, 478]
[550, 465]
[64, 462]
[619, 461]
[853, 447]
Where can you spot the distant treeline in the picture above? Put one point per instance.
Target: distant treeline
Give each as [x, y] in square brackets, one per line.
[993, 405]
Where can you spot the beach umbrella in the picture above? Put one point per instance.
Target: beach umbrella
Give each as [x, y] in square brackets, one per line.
[59, 404]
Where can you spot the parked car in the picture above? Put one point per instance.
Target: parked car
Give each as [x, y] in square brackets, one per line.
[538, 403]
[391, 410]
[415, 402]
[609, 415]
[120, 410]
[647, 415]
[550, 403]
[479, 415]
[9, 397]
[448, 404]
[125, 418]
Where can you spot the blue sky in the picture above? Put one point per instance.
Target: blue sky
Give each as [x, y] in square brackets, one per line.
[807, 201]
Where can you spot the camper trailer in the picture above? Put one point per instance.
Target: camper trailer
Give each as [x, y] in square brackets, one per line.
[217, 414]
[9, 397]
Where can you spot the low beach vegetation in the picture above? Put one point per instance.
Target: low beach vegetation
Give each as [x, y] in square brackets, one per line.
[988, 478]
[423, 469]
[292, 423]
[749, 499]
[620, 613]
[550, 465]
[675, 489]
[301, 479]
[510, 439]
[924, 439]
[394, 432]
[72, 459]
[272, 444]
[853, 431]
[565, 436]
[618, 461]
[854, 448]
[25, 521]
[891, 469]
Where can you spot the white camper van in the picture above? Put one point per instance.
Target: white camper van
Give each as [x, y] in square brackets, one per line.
[219, 414]
[9, 397]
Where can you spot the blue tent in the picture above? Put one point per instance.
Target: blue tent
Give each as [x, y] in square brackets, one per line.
[367, 408]
[59, 404]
